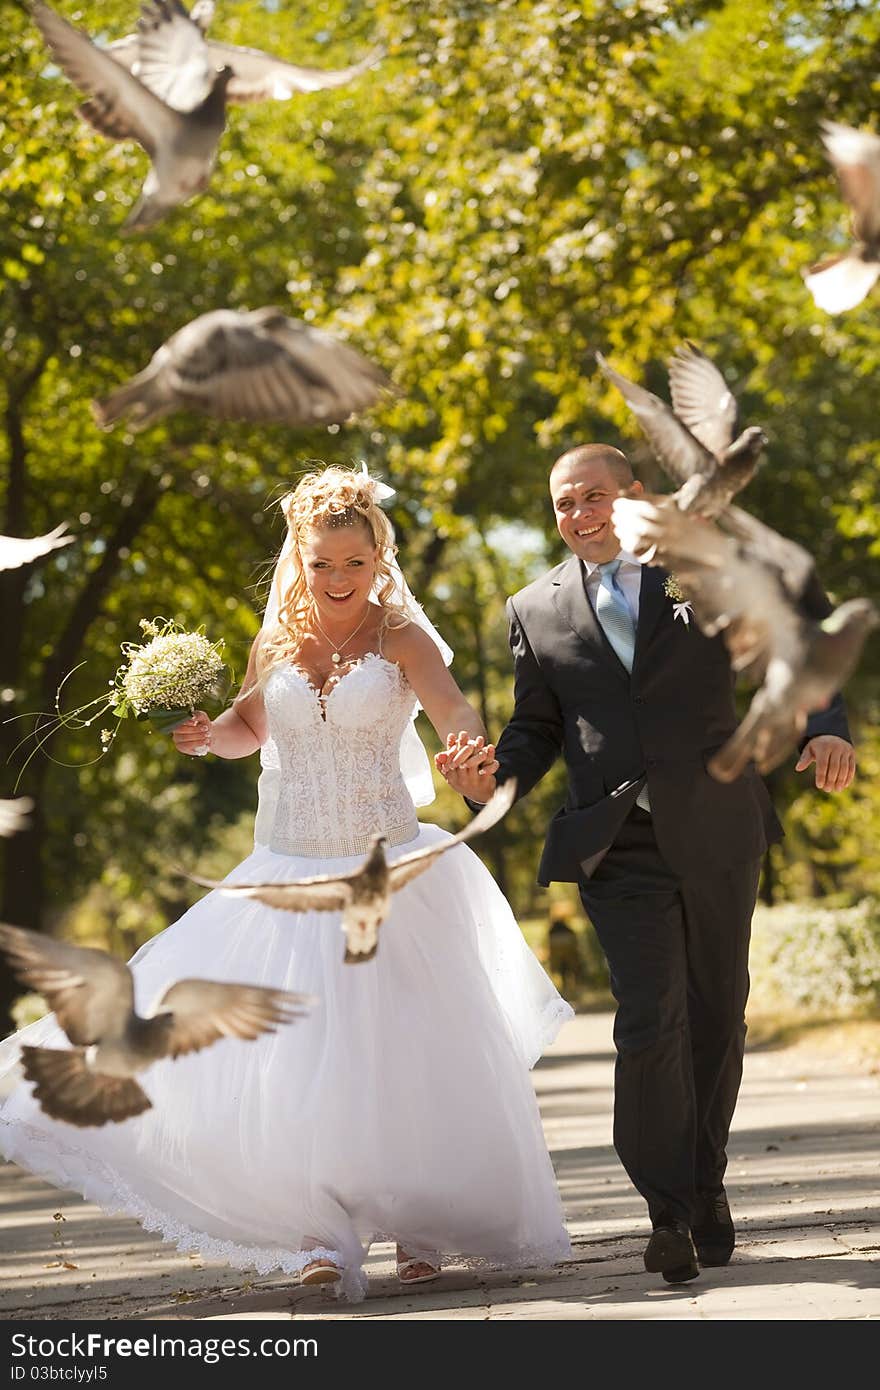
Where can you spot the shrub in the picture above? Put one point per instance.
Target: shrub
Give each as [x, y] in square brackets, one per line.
[816, 957]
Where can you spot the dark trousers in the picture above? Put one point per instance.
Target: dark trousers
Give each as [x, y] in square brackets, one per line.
[677, 950]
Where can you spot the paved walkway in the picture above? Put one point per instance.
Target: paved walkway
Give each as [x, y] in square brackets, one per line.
[803, 1181]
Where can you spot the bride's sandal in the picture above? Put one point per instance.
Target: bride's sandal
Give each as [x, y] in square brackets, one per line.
[321, 1271]
[416, 1269]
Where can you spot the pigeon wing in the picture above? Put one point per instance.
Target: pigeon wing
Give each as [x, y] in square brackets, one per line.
[343, 381]
[729, 592]
[855, 155]
[67, 1089]
[323, 894]
[192, 1014]
[409, 866]
[260, 77]
[680, 452]
[701, 398]
[90, 992]
[172, 56]
[271, 368]
[15, 551]
[794, 564]
[121, 106]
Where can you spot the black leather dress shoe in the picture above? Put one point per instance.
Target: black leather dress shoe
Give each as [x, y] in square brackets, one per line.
[670, 1252]
[714, 1233]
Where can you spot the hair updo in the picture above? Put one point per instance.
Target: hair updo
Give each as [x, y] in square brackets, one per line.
[334, 497]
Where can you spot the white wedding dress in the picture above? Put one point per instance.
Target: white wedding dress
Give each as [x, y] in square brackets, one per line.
[402, 1106]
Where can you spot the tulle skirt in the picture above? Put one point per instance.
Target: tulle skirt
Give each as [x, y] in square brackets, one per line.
[400, 1108]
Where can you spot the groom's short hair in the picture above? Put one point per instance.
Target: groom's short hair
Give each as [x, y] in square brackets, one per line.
[615, 461]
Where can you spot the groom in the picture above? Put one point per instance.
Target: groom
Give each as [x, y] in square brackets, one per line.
[666, 858]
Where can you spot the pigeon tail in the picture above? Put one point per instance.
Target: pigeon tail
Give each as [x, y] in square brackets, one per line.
[731, 760]
[142, 398]
[842, 282]
[354, 957]
[763, 738]
[68, 1090]
[145, 213]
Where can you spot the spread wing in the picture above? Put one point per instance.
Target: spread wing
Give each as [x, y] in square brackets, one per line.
[795, 565]
[68, 1090]
[680, 452]
[124, 107]
[263, 366]
[731, 590]
[90, 991]
[701, 398]
[855, 155]
[403, 870]
[260, 77]
[322, 894]
[15, 551]
[192, 1014]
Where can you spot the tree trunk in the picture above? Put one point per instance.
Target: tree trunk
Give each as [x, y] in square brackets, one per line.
[768, 879]
[24, 886]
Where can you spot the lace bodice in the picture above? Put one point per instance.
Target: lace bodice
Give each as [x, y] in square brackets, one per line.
[332, 778]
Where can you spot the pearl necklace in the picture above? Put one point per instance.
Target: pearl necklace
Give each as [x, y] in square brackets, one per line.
[336, 656]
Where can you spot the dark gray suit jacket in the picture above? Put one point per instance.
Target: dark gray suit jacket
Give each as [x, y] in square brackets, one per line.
[617, 730]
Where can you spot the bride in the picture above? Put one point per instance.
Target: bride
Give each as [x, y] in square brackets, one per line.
[401, 1108]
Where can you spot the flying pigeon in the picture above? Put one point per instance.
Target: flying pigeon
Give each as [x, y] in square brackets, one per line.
[256, 76]
[841, 282]
[694, 440]
[239, 365]
[364, 896]
[15, 552]
[92, 994]
[735, 589]
[181, 141]
[14, 814]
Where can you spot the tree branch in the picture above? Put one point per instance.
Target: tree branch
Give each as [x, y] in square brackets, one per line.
[88, 605]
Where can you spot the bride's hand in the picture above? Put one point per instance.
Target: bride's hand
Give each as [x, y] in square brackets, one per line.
[193, 736]
[468, 765]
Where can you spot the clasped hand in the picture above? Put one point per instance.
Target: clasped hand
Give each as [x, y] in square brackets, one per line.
[468, 764]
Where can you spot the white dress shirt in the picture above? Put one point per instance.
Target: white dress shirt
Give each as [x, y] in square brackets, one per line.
[629, 576]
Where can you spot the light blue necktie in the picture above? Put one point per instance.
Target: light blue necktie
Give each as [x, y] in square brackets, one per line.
[614, 613]
[616, 619]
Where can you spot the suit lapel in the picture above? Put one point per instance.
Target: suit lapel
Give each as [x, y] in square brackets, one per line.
[576, 609]
[652, 601]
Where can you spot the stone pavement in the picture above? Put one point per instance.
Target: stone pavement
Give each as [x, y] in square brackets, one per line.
[803, 1182]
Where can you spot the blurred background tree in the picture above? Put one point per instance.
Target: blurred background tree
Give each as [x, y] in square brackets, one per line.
[518, 184]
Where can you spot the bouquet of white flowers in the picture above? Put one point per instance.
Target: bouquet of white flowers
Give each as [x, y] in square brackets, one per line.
[164, 679]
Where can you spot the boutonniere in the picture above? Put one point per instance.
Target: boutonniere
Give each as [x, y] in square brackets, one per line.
[681, 606]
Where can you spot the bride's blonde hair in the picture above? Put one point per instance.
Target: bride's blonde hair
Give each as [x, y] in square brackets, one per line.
[337, 497]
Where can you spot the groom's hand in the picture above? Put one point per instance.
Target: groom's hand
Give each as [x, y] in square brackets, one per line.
[468, 765]
[835, 761]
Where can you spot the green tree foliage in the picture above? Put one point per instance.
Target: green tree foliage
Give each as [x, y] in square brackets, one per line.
[519, 183]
